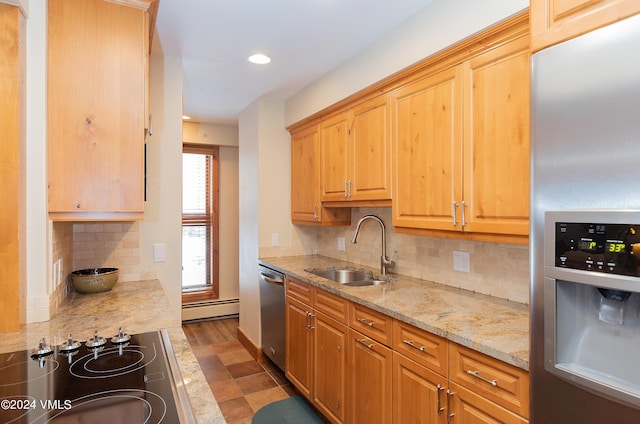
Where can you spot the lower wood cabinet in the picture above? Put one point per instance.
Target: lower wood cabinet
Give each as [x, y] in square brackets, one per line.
[370, 380]
[330, 367]
[419, 394]
[356, 365]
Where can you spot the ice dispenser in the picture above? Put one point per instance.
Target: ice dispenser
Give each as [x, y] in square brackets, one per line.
[592, 301]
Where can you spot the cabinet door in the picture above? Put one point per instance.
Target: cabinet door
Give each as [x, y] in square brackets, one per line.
[496, 144]
[370, 380]
[330, 367]
[419, 394]
[468, 407]
[370, 174]
[427, 138]
[305, 175]
[335, 144]
[554, 21]
[299, 346]
[96, 69]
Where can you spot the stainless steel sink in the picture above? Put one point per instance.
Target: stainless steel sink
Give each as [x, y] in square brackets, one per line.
[348, 277]
[342, 276]
[370, 282]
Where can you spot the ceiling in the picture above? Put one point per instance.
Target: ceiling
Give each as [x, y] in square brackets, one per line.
[305, 38]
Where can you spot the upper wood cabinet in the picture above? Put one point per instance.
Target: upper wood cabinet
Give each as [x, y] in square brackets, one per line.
[554, 21]
[461, 145]
[97, 65]
[306, 204]
[356, 153]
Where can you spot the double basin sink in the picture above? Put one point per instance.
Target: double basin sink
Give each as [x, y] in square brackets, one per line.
[348, 277]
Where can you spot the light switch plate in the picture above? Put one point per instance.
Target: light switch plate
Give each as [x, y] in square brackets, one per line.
[341, 245]
[461, 261]
[159, 252]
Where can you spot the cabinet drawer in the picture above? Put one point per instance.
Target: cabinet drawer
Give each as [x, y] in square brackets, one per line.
[371, 323]
[332, 305]
[299, 290]
[423, 347]
[469, 407]
[495, 380]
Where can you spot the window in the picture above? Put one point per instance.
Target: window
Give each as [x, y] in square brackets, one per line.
[199, 222]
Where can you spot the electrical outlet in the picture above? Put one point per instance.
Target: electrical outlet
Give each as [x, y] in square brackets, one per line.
[59, 271]
[275, 239]
[341, 244]
[461, 261]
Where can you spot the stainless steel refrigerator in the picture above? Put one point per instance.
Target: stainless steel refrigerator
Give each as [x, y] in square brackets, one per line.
[585, 214]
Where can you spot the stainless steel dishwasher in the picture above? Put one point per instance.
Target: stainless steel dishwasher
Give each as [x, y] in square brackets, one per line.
[272, 314]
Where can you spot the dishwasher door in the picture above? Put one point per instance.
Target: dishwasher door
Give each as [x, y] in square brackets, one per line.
[272, 314]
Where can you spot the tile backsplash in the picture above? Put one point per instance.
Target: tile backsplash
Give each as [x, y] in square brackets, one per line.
[499, 270]
[111, 244]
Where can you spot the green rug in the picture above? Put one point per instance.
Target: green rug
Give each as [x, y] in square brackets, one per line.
[293, 410]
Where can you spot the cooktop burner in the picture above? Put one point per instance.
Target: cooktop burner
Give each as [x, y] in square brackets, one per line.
[127, 379]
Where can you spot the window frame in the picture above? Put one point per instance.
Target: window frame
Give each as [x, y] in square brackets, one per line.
[211, 220]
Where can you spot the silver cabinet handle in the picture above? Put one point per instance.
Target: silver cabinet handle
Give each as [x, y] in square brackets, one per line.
[486, 380]
[276, 281]
[364, 342]
[309, 320]
[454, 206]
[315, 212]
[346, 193]
[413, 345]
[439, 388]
[463, 221]
[350, 182]
[366, 322]
[451, 414]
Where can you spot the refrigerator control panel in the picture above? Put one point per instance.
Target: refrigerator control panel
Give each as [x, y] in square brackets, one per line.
[598, 247]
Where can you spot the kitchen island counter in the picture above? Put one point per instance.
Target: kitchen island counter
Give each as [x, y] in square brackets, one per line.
[495, 327]
[137, 307]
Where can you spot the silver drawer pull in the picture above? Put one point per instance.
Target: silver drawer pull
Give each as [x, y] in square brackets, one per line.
[364, 342]
[486, 380]
[413, 345]
[366, 322]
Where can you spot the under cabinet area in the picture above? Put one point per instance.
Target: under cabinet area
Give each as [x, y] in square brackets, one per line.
[97, 70]
[356, 365]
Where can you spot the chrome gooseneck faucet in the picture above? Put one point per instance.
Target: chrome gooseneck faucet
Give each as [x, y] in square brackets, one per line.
[384, 261]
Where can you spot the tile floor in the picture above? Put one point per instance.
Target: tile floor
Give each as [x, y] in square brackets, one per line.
[239, 383]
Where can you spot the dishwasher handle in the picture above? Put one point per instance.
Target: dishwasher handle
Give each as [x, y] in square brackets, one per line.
[270, 280]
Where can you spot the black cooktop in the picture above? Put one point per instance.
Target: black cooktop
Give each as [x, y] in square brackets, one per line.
[118, 382]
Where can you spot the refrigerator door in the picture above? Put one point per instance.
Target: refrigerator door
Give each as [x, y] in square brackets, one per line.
[585, 112]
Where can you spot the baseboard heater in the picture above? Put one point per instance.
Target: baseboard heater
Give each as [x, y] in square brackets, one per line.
[210, 309]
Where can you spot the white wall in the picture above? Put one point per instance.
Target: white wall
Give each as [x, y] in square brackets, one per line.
[249, 203]
[216, 134]
[37, 234]
[163, 213]
[440, 24]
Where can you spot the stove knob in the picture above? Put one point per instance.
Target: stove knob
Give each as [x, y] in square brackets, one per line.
[42, 350]
[121, 337]
[70, 345]
[96, 341]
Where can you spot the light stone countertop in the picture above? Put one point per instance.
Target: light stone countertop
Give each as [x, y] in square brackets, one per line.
[495, 327]
[137, 307]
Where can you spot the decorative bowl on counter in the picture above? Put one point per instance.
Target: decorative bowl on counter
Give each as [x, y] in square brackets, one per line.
[94, 280]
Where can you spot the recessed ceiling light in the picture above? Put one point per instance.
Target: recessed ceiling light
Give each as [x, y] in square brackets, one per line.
[185, 117]
[259, 59]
